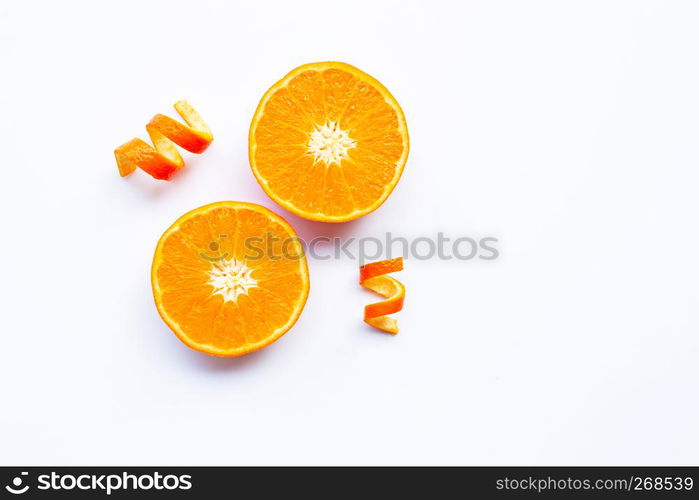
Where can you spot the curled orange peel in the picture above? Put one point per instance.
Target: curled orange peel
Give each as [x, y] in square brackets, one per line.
[162, 159]
[373, 276]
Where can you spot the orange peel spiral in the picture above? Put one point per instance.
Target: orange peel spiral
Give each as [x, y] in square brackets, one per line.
[373, 277]
[163, 159]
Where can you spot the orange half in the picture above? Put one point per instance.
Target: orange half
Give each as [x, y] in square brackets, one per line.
[328, 142]
[229, 278]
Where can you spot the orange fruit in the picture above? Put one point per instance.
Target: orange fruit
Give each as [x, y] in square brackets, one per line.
[229, 278]
[328, 142]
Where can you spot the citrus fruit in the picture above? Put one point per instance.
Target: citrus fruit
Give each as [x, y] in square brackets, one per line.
[229, 278]
[328, 142]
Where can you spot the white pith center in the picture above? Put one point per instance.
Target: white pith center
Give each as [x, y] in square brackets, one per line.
[230, 278]
[329, 143]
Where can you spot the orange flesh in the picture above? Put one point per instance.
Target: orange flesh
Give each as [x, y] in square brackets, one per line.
[211, 236]
[372, 276]
[162, 159]
[350, 184]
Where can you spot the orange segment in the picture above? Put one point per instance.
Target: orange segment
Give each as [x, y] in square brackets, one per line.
[229, 278]
[328, 142]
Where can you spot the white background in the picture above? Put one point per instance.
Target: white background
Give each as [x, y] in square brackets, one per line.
[568, 130]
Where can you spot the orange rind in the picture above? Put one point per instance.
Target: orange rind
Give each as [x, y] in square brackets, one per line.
[373, 277]
[162, 159]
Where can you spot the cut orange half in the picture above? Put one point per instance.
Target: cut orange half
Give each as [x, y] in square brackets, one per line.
[229, 278]
[328, 142]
